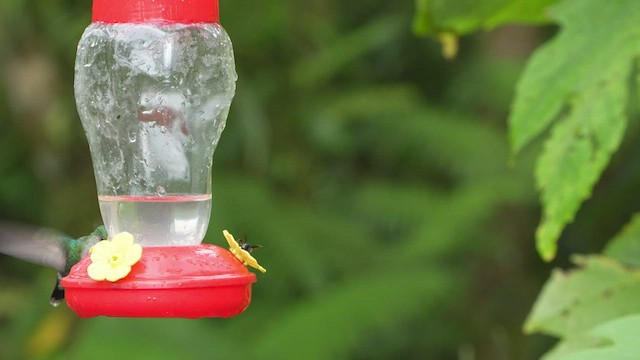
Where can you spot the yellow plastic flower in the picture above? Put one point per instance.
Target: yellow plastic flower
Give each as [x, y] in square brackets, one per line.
[111, 260]
[242, 254]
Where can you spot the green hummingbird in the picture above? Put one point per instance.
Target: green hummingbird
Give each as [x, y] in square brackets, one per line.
[49, 248]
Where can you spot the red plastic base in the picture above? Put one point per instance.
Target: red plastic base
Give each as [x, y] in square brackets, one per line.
[182, 281]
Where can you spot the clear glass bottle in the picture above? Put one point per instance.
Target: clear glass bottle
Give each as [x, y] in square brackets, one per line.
[154, 80]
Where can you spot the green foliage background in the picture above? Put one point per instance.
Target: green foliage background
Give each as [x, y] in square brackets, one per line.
[374, 172]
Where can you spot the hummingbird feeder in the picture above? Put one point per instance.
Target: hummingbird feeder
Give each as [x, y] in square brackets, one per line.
[154, 80]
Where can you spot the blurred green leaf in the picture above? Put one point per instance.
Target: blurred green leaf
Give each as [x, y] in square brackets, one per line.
[148, 339]
[534, 12]
[580, 145]
[465, 16]
[328, 61]
[343, 314]
[459, 218]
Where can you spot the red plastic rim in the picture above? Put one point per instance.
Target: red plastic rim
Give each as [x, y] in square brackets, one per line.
[155, 11]
[182, 281]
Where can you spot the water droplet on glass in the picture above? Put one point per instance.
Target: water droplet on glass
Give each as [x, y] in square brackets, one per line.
[163, 129]
[161, 191]
[133, 137]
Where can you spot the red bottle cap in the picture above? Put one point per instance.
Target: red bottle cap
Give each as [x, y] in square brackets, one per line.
[155, 11]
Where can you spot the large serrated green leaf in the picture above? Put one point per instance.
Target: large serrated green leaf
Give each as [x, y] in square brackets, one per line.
[575, 155]
[572, 303]
[597, 38]
[585, 70]
[618, 340]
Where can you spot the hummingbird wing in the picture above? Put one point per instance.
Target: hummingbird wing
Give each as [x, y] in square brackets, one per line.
[41, 246]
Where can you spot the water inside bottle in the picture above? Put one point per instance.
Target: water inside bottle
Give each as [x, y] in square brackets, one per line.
[159, 220]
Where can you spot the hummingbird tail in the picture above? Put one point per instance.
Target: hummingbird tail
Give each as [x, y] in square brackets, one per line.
[58, 293]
